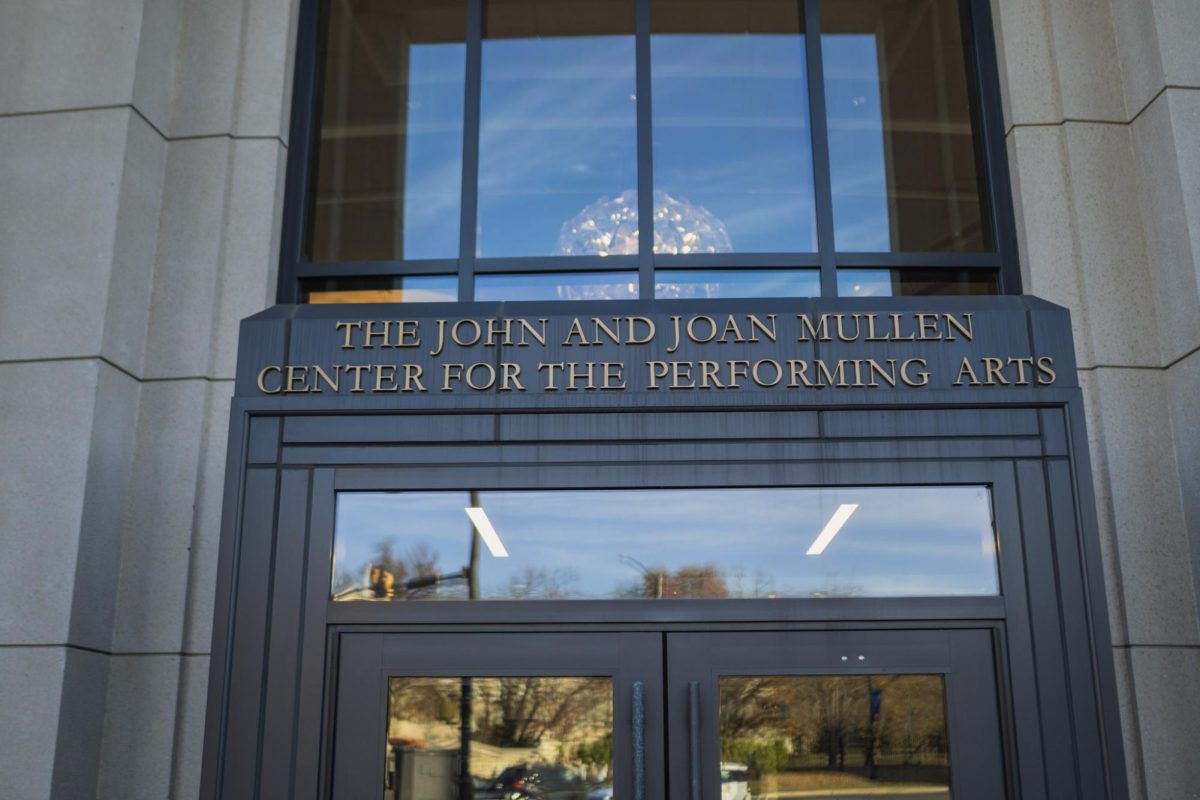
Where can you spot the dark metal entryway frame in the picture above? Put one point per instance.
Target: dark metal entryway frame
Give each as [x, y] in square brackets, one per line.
[276, 634]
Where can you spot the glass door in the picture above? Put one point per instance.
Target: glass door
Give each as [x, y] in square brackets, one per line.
[494, 716]
[848, 714]
[834, 714]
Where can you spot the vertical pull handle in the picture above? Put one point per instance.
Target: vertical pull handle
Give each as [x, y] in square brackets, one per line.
[693, 705]
[638, 736]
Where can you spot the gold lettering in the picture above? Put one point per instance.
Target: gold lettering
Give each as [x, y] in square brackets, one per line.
[993, 369]
[386, 372]
[758, 378]
[682, 371]
[757, 326]
[835, 378]
[966, 368]
[538, 335]
[737, 369]
[451, 372]
[357, 369]
[857, 327]
[262, 380]
[896, 330]
[614, 375]
[799, 374]
[408, 333]
[1022, 363]
[633, 337]
[412, 377]
[579, 372]
[927, 324]
[658, 371]
[818, 332]
[889, 376]
[472, 340]
[922, 375]
[347, 328]
[613, 333]
[549, 369]
[675, 345]
[967, 330]
[499, 329]
[296, 375]
[322, 375]
[576, 329]
[1045, 366]
[708, 375]
[488, 369]
[871, 335]
[712, 329]
[731, 326]
[441, 338]
[384, 335]
[510, 376]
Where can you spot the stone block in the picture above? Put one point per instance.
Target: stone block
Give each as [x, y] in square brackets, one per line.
[110, 465]
[209, 57]
[206, 538]
[157, 541]
[1089, 77]
[189, 726]
[1127, 704]
[157, 59]
[31, 695]
[250, 257]
[139, 726]
[1168, 717]
[80, 724]
[1028, 80]
[1137, 44]
[1183, 387]
[127, 312]
[46, 416]
[1042, 197]
[1164, 138]
[1107, 225]
[1138, 494]
[61, 54]
[62, 177]
[190, 249]
[1178, 21]
[264, 80]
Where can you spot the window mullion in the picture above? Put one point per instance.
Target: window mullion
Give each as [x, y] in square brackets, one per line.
[645, 144]
[822, 188]
[470, 160]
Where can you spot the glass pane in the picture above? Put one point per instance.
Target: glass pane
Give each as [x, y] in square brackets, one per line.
[411, 289]
[558, 129]
[845, 736]
[732, 148]
[557, 286]
[677, 284]
[512, 737]
[665, 543]
[902, 154]
[389, 150]
[915, 282]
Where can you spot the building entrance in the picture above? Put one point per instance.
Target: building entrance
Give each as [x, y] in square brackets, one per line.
[689, 715]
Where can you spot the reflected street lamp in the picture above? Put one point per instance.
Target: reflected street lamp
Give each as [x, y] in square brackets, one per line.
[646, 572]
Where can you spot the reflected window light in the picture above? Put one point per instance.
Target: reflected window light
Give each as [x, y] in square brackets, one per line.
[486, 532]
[831, 528]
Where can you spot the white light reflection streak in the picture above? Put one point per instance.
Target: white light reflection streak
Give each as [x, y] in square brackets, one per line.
[831, 528]
[486, 532]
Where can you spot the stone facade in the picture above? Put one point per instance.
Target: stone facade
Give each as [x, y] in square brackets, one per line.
[142, 149]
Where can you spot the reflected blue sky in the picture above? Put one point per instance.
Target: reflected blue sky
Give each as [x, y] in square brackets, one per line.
[558, 133]
[433, 150]
[731, 135]
[858, 170]
[681, 284]
[912, 541]
[503, 287]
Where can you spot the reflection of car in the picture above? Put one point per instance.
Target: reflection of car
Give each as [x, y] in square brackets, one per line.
[536, 782]
[735, 784]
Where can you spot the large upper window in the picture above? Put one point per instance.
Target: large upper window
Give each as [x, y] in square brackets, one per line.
[617, 149]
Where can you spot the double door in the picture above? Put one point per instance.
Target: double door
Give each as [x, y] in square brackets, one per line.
[685, 715]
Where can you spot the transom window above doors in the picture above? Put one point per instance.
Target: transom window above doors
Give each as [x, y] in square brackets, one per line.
[500, 150]
[663, 544]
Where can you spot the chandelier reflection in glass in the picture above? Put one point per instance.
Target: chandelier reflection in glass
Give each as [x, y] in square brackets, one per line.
[609, 227]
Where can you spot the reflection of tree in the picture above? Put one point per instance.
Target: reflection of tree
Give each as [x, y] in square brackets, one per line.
[832, 717]
[532, 708]
[387, 571]
[703, 580]
[540, 583]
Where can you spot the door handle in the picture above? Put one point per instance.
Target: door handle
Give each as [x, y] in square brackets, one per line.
[693, 705]
[638, 737]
